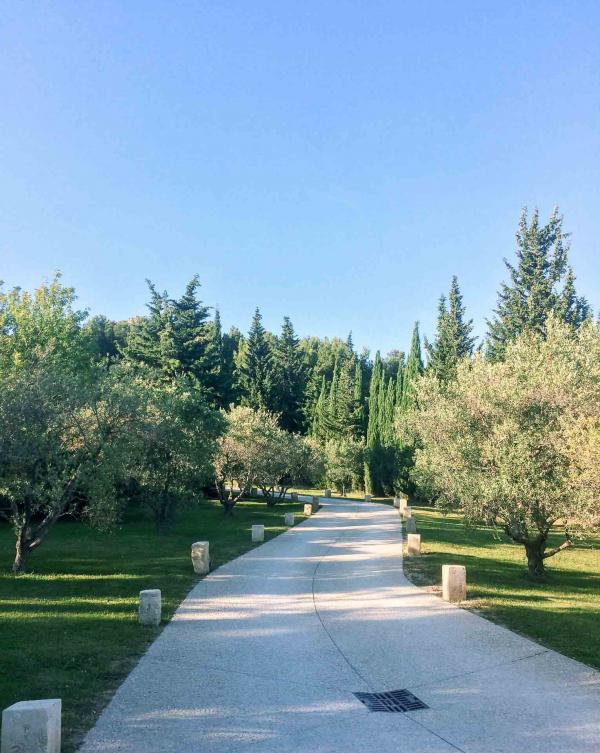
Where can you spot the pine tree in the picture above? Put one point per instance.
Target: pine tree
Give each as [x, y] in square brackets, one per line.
[453, 340]
[412, 370]
[290, 377]
[540, 283]
[255, 363]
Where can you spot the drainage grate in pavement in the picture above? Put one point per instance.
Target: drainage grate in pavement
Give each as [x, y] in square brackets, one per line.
[393, 700]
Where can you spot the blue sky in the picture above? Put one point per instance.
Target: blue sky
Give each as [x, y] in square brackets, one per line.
[333, 161]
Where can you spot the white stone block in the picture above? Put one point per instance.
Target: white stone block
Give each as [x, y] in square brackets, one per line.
[454, 583]
[327, 493]
[403, 504]
[411, 525]
[294, 496]
[32, 727]
[368, 497]
[397, 503]
[258, 533]
[201, 557]
[288, 519]
[150, 607]
[406, 512]
[413, 544]
[308, 508]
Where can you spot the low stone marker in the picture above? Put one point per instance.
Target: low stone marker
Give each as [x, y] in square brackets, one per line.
[397, 502]
[454, 583]
[327, 493]
[316, 499]
[150, 607]
[288, 519]
[201, 557]
[294, 496]
[368, 497]
[32, 727]
[413, 544]
[308, 508]
[411, 525]
[403, 505]
[406, 512]
[258, 532]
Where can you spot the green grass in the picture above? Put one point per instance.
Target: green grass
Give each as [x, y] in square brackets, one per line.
[68, 627]
[358, 495]
[562, 613]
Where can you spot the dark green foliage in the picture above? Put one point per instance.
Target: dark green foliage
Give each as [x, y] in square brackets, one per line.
[289, 378]
[453, 340]
[254, 361]
[541, 282]
[412, 371]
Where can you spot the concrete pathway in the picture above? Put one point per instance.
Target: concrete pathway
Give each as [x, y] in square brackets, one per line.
[266, 653]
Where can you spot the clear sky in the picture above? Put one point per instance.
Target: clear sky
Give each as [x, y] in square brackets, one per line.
[333, 161]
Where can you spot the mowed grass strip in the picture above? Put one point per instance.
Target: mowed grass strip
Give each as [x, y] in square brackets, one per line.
[68, 627]
[562, 613]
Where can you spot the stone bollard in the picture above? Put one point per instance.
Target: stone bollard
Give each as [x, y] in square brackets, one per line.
[413, 544]
[149, 611]
[200, 557]
[308, 508]
[454, 582]
[258, 533]
[315, 499]
[294, 496]
[32, 726]
[406, 512]
[288, 519]
[397, 503]
[327, 493]
[403, 505]
[411, 525]
[368, 497]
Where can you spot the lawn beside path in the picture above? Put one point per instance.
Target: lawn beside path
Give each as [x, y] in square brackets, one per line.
[68, 627]
[562, 613]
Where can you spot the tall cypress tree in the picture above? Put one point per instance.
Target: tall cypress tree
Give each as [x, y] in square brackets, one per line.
[412, 370]
[289, 377]
[541, 283]
[453, 340]
[373, 448]
[255, 363]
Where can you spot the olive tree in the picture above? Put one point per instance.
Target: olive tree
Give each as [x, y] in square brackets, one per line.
[516, 444]
[63, 443]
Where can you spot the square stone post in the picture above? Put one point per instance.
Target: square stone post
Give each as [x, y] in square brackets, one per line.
[294, 496]
[368, 497]
[200, 557]
[288, 519]
[406, 512]
[397, 503]
[308, 508]
[411, 525]
[150, 607]
[258, 532]
[413, 544]
[32, 727]
[327, 493]
[454, 583]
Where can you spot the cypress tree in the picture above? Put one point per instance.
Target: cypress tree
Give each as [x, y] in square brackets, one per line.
[412, 370]
[541, 283]
[373, 445]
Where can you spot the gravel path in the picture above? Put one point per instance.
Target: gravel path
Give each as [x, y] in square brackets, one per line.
[266, 653]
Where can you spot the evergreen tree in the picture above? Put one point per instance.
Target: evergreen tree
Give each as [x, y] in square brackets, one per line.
[412, 370]
[255, 363]
[541, 282]
[289, 378]
[453, 340]
[373, 445]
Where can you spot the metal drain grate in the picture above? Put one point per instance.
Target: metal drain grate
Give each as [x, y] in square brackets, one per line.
[393, 700]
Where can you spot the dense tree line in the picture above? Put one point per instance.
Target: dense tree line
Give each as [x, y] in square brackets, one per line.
[95, 412]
